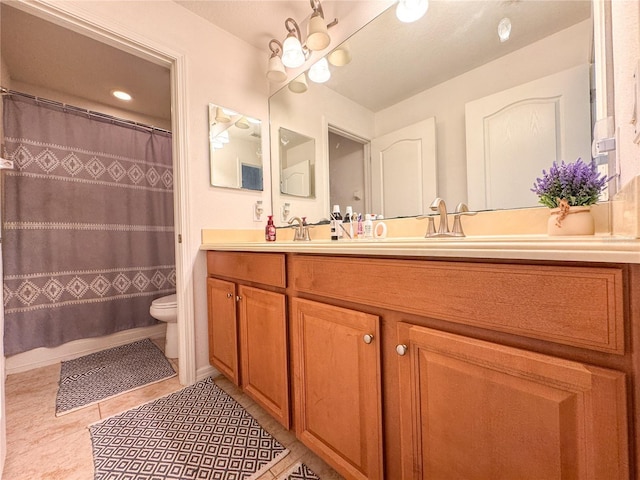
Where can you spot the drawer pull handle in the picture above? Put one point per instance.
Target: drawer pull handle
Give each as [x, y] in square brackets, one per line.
[229, 295]
[401, 349]
[368, 338]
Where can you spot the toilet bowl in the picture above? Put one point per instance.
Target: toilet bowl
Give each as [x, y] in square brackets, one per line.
[165, 309]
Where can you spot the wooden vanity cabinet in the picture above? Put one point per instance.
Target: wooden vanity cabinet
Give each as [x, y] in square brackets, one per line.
[248, 340]
[459, 407]
[429, 369]
[223, 328]
[336, 377]
[478, 410]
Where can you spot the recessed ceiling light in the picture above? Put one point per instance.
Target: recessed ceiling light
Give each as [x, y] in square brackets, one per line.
[504, 29]
[119, 94]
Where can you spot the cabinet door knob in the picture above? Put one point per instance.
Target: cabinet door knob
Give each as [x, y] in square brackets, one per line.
[401, 349]
[229, 295]
[368, 338]
[238, 298]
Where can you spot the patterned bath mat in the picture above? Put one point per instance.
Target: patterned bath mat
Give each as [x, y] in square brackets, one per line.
[101, 375]
[199, 432]
[299, 472]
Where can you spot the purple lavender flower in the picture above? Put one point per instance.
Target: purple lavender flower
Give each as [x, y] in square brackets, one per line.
[578, 183]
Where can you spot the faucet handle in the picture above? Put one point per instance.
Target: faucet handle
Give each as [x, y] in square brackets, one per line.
[461, 209]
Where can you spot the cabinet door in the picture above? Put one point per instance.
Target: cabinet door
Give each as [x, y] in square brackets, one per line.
[263, 350]
[337, 386]
[223, 329]
[477, 410]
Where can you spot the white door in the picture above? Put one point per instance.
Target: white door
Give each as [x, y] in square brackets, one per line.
[296, 180]
[403, 170]
[514, 134]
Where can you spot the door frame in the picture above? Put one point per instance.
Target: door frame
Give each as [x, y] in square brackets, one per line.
[330, 126]
[72, 16]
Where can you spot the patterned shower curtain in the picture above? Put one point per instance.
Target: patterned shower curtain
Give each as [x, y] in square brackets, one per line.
[88, 225]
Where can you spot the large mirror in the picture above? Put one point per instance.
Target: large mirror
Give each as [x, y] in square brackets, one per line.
[472, 117]
[235, 149]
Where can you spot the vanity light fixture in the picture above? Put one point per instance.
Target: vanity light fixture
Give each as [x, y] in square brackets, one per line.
[276, 72]
[299, 84]
[292, 54]
[120, 95]
[504, 29]
[319, 71]
[242, 123]
[340, 56]
[317, 35]
[411, 10]
[221, 116]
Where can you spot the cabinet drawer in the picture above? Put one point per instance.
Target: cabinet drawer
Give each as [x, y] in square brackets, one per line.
[264, 268]
[578, 306]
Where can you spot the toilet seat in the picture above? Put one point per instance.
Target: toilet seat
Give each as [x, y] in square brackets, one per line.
[169, 301]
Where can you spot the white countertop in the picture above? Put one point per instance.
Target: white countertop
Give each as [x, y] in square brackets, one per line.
[596, 248]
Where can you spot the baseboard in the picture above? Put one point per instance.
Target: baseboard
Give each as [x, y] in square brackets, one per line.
[206, 372]
[41, 357]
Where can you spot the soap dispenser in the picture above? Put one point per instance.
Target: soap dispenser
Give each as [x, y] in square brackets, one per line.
[270, 230]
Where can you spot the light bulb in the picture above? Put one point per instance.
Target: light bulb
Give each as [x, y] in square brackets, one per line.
[292, 55]
[319, 71]
[411, 10]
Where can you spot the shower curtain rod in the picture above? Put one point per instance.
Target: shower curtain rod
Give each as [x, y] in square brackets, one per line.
[90, 113]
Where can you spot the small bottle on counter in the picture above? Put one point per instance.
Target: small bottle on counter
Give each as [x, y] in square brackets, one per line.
[368, 226]
[360, 229]
[347, 222]
[270, 230]
[336, 218]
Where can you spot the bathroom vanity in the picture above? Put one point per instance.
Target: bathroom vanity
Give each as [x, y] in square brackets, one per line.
[397, 362]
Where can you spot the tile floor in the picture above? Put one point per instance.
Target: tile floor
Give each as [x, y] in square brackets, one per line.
[43, 447]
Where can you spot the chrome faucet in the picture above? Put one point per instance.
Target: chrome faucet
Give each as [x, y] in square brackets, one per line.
[301, 233]
[443, 228]
[439, 205]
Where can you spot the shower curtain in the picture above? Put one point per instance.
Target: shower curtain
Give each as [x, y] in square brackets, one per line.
[88, 224]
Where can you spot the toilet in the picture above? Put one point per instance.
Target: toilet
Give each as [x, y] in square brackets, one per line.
[165, 309]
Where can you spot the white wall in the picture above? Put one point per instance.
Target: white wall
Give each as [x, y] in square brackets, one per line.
[625, 16]
[446, 102]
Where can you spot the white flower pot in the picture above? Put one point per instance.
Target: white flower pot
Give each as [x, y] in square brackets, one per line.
[577, 221]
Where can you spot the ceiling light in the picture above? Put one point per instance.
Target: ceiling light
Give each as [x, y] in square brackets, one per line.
[222, 117]
[242, 123]
[275, 72]
[319, 71]
[411, 10]
[120, 95]
[340, 56]
[317, 36]
[252, 120]
[292, 54]
[299, 84]
[504, 29]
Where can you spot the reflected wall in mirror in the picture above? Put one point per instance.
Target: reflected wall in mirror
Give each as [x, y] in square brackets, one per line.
[297, 163]
[235, 149]
[447, 67]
